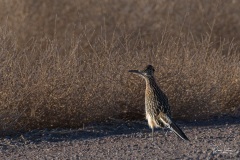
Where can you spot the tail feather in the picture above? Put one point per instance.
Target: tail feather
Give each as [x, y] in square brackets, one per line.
[168, 122]
[178, 131]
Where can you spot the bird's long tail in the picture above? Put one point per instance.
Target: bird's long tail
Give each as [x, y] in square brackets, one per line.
[168, 122]
[178, 131]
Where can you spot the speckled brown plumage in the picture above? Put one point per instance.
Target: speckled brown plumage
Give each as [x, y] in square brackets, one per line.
[158, 113]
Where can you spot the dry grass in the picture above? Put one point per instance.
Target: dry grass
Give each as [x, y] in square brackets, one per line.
[64, 63]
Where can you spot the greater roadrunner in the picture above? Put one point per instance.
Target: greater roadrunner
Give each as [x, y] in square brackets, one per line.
[158, 113]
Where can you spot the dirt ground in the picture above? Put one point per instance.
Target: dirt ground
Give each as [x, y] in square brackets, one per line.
[115, 139]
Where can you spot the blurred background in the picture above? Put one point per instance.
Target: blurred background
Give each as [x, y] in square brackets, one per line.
[65, 63]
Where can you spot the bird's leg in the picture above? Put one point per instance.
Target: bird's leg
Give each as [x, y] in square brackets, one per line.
[166, 131]
[152, 133]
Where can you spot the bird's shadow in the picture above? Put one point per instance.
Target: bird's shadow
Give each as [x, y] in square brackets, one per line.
[92, 131]
[107, 129]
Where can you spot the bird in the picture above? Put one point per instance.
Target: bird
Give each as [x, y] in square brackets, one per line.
[157, 108]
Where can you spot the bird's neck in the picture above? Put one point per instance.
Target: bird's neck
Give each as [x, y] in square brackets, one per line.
[150, 81]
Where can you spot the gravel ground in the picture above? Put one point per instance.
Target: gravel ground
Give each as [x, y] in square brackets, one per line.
[218, 138]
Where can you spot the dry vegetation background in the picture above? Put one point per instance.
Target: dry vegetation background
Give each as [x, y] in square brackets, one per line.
[64, 63]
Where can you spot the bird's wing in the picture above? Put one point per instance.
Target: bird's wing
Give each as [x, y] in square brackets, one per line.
[169, 123]
[163, 105]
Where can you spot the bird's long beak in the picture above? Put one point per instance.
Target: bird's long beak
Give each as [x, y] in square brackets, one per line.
[135, 71]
